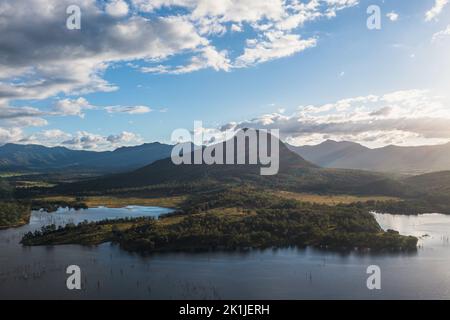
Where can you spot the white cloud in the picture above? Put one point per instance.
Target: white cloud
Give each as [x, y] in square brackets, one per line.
[9, 113]
[123, 138]
[117, 8]
[436, 10]
[393, 16]
[230, 10]
[340, 4]
[211, 27]
[441, 34]
[275, 45]
[156, 69]
[236, 27]
[337, 5]
[75, 107]
[14, 118]
[20, 117]
[408, 117]
[129, 109]
[208, 57]
[274, 22]
[10, 135]
[49, 138]
[83, 140]
[73, 62]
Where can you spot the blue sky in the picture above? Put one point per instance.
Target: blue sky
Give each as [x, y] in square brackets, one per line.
[298, 87]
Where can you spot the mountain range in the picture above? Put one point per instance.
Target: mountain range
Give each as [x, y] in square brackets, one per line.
[329, 154]
[295, 174]
[162, 177]
[15, 157]
[350, 155]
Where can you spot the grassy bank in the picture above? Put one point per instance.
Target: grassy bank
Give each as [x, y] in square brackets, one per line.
[119, 202]
[332, 199]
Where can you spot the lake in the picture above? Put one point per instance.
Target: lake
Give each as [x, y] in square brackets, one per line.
[111, 273]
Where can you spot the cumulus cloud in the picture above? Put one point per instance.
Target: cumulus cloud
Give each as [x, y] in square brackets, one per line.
[10, 135]
[436, 10]
[75, 107]
[48, 138]
[20, 117]
[117, 8]
[13, 121]
[408, 117]
[274, 22]
[122, 138]
[47, 59]
[83, 140]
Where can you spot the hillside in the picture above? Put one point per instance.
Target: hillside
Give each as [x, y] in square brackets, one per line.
[5, 189]
[349, 155]
[435, 183]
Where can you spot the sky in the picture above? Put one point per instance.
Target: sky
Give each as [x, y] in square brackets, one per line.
[137, 70]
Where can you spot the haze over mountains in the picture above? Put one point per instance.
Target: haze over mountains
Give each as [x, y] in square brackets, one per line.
[350, 155]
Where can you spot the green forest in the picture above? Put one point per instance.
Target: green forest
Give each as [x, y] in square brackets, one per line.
[13, 214]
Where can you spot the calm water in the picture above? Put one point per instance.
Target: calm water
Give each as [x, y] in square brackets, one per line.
[109, 272]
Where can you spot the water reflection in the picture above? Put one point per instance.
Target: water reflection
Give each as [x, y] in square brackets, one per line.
[433, 230]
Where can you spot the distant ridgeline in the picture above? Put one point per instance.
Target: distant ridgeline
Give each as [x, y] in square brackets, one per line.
[350, 155]
[14, 157]
[329, 154]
